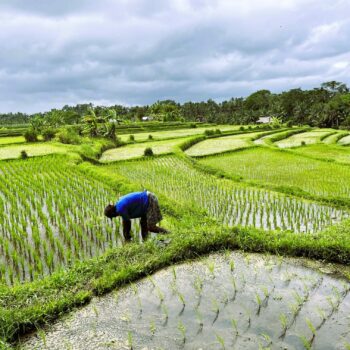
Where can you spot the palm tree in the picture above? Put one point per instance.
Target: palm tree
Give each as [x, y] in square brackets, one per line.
[90, 123]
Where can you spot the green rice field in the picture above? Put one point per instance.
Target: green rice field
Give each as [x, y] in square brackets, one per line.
[223, 144]
[345, 141]
[328, 152]
[161, 135]
[137, 150]
[32, 150]
[277, 168]
[231, 203]
[309, 137]
[11, 140]
[58, 250]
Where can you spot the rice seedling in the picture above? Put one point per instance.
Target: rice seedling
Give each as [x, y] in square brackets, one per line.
[181, 327]
[130, 340]
[347, 345]
[160, 295]
[215, 309]
[220, 340]
[234, 326]
[182, 300]
[305, 342]
[232, 265]
[258, 303]
[225, 298]
[211, 267]
[42, 336]
[165, 313]
[284, 324]
[267, 339]
[323, 317]
[199, 317]
[312, 329]
[249, 318]
[152, 327]
[198, 285]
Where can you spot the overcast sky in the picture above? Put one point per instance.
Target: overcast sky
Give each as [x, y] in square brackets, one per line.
[57, 52]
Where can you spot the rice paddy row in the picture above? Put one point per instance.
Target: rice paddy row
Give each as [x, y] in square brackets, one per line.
[52, 216]
[277, 168]
[229, 202]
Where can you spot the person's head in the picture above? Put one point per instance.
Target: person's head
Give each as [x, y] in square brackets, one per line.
[111, 211]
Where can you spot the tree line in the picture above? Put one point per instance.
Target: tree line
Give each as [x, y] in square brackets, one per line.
[324, 106]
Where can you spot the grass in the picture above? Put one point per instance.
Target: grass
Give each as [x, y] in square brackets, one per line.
[137, 150]
[308, 138]
[285, 170]
[223, 144]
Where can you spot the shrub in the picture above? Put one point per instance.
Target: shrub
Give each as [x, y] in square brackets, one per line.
[303, 143]
[241, 128]
[68, 137]
[193, 125]
[131, 138]
[23, 155]
[31, 135]
[209, 132]
[148, 152]
[217, 131]
[150, 137]
[49, 134]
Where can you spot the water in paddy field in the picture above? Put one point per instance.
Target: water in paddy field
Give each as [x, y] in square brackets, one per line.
[231, 301]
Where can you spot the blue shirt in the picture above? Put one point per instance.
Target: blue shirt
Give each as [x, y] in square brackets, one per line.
[133, 205]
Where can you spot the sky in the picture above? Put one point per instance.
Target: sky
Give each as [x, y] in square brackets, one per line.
[135, 52]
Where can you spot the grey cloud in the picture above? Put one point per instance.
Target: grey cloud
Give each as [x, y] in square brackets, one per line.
[136, 52]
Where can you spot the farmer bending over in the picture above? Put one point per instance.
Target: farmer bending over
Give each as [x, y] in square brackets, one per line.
[134, 205]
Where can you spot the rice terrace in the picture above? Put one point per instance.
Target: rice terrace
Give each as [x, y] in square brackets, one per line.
[257, 255]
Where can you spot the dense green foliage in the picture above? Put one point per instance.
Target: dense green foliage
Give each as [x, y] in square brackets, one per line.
[325, 106]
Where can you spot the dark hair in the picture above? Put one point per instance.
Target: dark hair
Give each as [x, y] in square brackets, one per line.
[110, 211]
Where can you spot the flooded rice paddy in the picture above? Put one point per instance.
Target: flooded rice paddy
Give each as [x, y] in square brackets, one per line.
[227, 301]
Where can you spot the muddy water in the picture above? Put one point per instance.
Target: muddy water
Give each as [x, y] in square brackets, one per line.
[231, 301]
